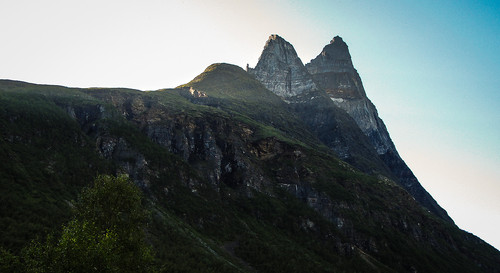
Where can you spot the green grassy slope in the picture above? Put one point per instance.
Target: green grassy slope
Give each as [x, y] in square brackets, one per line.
[51, 145]
[238, 93]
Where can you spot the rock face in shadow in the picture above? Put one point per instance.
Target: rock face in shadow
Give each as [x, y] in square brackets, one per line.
[334, 72]
[328, 95]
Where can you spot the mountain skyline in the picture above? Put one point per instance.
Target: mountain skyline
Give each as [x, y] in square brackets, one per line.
[323, 91]
[432, 79]
[235, 178]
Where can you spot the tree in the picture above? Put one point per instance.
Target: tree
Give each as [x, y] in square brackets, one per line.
[9, 262]
[106, 235]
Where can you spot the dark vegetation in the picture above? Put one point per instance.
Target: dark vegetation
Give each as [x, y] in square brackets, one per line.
[106, 234]
[55, 141]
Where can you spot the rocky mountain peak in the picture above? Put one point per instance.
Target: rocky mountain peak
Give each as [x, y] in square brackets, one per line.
[276, 38]
[278, 50]
[338, 43]
[334, 57]
[337, 39]
[333, 71]
[280, 69]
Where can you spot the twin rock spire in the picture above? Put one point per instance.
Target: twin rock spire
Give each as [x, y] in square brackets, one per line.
[281, 70]
[332, 75]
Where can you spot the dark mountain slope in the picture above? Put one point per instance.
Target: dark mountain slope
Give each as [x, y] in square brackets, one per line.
[45, 158]
[228, 191]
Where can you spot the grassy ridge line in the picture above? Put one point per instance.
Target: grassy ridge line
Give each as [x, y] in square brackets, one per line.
[241, 95]
[267, 226]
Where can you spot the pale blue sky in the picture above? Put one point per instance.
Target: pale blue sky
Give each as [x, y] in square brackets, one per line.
[431, 67]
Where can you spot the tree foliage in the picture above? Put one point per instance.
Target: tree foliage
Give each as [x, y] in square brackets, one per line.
[9, 262]
[106, 234]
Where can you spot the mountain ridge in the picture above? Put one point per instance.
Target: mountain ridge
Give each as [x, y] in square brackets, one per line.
[237, 177]
[335, 77]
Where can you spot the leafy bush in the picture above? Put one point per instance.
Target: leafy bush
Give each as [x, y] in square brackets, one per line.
[106, 234]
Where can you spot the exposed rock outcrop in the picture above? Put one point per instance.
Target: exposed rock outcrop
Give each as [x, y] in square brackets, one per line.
[328, 95]
[281, 70]
[333, 71]
[214, 146]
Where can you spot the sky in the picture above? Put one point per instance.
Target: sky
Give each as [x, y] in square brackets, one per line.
[431, 68]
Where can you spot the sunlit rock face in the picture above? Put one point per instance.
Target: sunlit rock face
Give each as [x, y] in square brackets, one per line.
[281, 70]
[328, 95]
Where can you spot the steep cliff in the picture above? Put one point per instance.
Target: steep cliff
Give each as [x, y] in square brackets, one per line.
[333, 71]
[280, 69]
[329, 123]
[328, 95]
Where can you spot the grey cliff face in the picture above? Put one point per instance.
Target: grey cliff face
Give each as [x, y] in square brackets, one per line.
[281, 70]
[215, 147]
[335, 57]
[334, 72]
[331, 76]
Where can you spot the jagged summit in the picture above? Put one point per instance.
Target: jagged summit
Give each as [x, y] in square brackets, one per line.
[337, 49]
[275, 41]
[337, 39]
[334, 57]
[275, 37]
[279, 50]
[281, 70]
[333, 71]
[336, 87]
